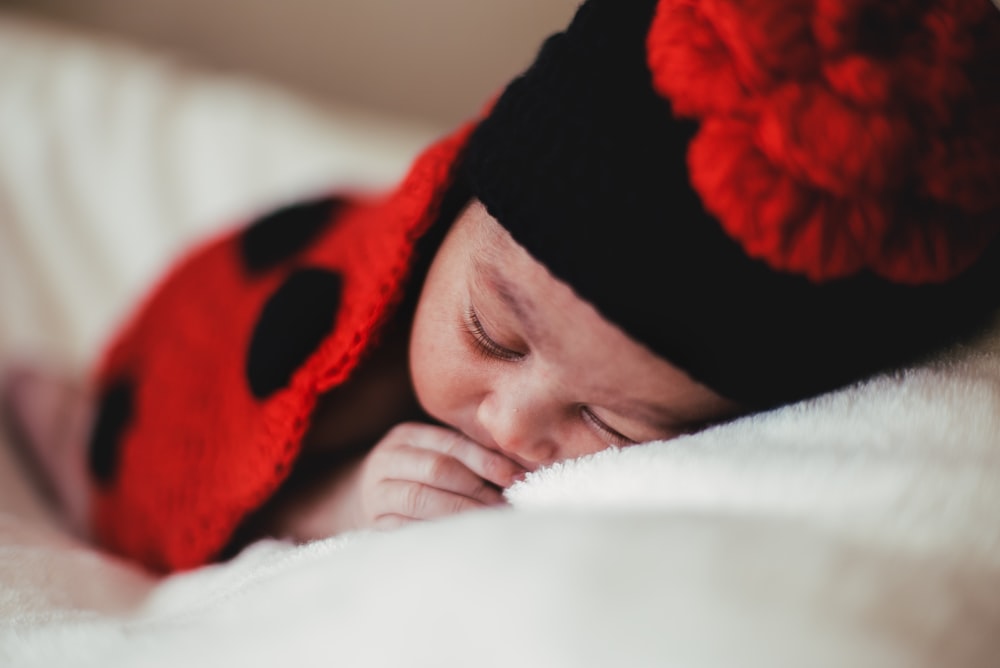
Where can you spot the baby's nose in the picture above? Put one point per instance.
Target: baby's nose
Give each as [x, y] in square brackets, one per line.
[518, 430]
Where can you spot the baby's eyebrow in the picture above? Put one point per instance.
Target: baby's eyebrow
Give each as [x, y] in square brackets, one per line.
[491, 280]
[526, 311]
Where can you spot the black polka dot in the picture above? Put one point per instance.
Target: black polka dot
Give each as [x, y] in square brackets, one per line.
[114, 413]
[293, 322]
[279, 236]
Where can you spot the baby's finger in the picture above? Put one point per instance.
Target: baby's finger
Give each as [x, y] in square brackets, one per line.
[440, 471]
[422, 502]
[487, 464]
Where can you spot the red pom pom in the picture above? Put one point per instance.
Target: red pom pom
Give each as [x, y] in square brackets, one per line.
[839, 136]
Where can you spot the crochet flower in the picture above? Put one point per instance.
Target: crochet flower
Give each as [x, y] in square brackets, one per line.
[841, 136]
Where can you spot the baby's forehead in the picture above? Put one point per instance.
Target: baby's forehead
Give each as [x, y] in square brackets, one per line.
[486, 234]
[500, 265]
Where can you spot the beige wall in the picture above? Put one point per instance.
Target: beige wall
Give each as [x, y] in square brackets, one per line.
[434, 60]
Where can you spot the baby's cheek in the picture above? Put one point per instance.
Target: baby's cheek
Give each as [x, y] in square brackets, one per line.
[430, 377]
[448, 389]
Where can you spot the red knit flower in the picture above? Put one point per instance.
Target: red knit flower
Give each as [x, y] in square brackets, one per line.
[838, 136]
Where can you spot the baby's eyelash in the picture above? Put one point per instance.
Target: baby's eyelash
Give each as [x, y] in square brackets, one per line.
[617, 438]
[484, 343]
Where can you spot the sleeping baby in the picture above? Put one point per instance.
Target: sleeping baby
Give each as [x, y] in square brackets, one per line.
[680, 213]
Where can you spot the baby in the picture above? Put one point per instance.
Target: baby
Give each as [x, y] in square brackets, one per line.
[680, 213]
[520, 370]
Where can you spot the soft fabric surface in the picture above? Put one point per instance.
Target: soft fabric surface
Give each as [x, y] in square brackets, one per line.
[911, 460]
[861, 528]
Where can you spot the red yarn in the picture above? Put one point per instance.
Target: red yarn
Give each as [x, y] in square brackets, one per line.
[201, 452]
[839, 136]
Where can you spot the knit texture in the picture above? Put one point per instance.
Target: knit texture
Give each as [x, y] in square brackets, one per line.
[208, 391]
[841, 136]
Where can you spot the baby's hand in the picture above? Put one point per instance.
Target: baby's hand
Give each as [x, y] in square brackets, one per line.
[419, 472]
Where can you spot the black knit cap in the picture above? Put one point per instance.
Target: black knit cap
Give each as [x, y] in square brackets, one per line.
[586, 165]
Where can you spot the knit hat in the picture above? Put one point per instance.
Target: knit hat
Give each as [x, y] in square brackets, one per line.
[778, 196]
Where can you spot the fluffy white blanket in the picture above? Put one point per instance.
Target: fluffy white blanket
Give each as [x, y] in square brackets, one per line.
[861, 528]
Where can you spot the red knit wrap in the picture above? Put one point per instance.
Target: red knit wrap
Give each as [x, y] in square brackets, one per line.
[838, 136]
[200, 451]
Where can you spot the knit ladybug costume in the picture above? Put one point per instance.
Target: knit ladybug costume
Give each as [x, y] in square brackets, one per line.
[778, 196]
[208, 391]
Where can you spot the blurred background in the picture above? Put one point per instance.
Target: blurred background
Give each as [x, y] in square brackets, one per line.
[432, 61]
[133, 128]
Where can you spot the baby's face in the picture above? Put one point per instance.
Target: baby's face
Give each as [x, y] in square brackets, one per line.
[509, 355]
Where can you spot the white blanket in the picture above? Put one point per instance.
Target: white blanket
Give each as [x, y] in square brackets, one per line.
[861, 528]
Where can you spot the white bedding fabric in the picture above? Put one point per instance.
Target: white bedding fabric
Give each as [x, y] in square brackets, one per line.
[861, 528]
